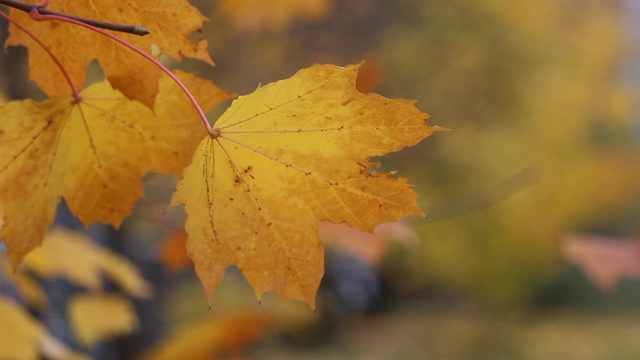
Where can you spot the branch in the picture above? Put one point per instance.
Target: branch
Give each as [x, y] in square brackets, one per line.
[130, 29]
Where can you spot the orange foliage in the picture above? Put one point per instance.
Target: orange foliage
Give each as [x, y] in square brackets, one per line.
[76, 47]
[94, 153]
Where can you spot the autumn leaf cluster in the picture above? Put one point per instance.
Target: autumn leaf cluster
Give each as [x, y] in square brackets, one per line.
[255, 185]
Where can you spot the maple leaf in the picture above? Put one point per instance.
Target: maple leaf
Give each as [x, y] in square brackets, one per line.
[169, 21]
[292, 154]
[93, 152]
[101, 317]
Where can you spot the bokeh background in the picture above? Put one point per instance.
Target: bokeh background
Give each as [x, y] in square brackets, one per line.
[529, 249]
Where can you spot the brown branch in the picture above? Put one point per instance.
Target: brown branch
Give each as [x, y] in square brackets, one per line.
[130, 29]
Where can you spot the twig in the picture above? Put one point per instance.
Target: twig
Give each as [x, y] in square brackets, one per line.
[130, 29]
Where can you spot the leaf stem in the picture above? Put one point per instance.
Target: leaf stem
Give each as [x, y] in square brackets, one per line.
[37, 15]
[74, 89]
[130, 29]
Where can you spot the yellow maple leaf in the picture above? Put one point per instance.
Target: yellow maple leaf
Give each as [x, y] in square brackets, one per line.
[87, 265]
[292, 154]
[169, 21]
[94, 153]
[101, 317]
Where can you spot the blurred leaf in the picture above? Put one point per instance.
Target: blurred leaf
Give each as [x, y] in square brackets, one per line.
[22, 337]
[604, 260]
[101, 317]
[173, 252]
[28, 287]
[371, 76]
[365, 246]
[273, 15]
[19, 333]
[73, 256]
[213, 337]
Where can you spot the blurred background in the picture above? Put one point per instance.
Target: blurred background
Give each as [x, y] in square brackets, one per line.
[529, 249]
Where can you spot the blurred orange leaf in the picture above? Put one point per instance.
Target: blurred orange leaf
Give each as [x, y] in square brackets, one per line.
[101, 317]
[605, 260]
[173, 252]
[370, 76]
[213, 337]
[71, 255]
[275, 15]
